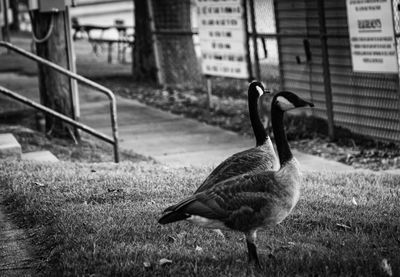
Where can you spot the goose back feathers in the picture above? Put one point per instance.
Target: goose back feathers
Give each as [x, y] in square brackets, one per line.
[242, 203]
[256, 159]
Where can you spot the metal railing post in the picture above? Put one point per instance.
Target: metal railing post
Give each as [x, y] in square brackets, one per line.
[113, 108]
[254, 39]
[156, 50]
[248, 58]
[326, 70]
[61, 116]
[106, 91]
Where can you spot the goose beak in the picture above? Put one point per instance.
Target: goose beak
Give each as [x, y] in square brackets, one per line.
[260, 87]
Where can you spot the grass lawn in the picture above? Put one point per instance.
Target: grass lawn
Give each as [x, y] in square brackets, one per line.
[101, 220]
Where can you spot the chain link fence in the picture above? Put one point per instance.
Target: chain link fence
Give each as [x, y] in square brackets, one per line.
[267, 44]
[285, 53]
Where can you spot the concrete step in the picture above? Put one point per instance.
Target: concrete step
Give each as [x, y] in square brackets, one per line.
[40, 156]
[9, 147]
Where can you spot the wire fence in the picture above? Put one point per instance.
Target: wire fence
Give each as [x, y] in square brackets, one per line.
[285, 53]
[267, 44]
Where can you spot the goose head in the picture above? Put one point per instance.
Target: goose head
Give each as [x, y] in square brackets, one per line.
[256, 90]
[286, 101]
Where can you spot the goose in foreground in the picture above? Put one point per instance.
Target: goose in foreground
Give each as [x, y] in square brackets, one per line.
[259, 158]
[250, 201]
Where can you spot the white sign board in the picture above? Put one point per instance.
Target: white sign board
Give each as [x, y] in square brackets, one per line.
[372, 41]
[222, 38]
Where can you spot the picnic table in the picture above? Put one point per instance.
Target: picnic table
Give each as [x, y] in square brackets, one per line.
[123, 41]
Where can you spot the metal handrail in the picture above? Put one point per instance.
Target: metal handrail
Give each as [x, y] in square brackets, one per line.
[106, 91]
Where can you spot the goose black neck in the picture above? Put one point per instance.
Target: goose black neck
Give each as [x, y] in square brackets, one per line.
[282, 144]
[258, 127]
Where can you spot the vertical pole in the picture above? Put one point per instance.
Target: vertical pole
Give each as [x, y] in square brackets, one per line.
[277, 31]
[326, 71]
[110, 48]
[160, 75]
[398, 66]
[114, 125]
[209, 91]
[254, 38]
[14, 11]
[54, 88]
[1, 14]
[6, 23]
[72, 67]
[247, 46]
[1, 26]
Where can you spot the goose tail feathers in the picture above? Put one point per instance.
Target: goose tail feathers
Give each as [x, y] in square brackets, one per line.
[175, 212]
[172, 216]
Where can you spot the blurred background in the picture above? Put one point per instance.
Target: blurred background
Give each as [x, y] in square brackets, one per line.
[150, 51]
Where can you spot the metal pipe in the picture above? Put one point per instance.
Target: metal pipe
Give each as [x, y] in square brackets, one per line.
[43, 108]
[326, 70]
[246, 31]
[176, 32]
[278, 30]
[155, 42]
[114, 126]
[74, 94]
[106, 91]
[60, 69]
[296, 35]
[254, 39]
[93, 3]
[6, 19]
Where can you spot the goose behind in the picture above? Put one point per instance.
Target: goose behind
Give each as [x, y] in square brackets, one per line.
[250, 201]
[257, 159]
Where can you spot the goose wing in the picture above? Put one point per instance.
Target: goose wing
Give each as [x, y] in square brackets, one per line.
[241, 203]
[255, 159]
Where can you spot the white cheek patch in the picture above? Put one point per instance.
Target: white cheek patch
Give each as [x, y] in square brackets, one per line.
[260, 90]
[284, 104]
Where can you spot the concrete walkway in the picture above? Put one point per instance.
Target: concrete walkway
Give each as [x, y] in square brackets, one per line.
[178, 141]
[168, 138]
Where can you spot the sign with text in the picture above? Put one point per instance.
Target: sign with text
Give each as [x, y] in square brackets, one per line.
[222, 38]
[372, 41]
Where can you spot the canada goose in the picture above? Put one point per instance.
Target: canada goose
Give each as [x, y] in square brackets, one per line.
[259, 158]
[250, 201]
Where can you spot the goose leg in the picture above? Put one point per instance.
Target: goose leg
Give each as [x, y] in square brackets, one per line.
[253, 257]
[252, 249]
